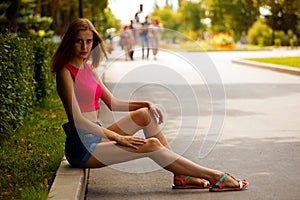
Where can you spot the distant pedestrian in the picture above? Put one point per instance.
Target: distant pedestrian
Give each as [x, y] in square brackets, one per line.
[144, 36]
[126, 41]
[134, 39]
[154, 35]
[90, 145]
[110, 38]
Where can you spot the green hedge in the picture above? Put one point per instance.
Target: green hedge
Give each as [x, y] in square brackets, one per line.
[25, 78]
[43, 52]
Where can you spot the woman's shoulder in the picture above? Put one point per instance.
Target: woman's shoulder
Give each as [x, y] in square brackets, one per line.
[69, 67]
[64, 77]
[63, 72]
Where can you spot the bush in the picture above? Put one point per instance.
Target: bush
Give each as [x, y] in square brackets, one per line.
[222, 39]
[260, 34]
[31, 117]
[24, 78]
[45, 81]
[17, 82]
[280, 39]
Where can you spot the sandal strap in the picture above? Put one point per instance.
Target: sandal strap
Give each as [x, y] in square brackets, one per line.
[183, 181]
[187, 178]
[221, 180]
[241, 184]
[206, 183]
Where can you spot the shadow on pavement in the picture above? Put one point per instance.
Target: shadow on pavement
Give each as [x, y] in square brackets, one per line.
[270, 165]
[259, 141]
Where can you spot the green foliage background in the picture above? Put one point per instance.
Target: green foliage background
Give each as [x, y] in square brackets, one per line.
[17, 82]
[24, 78]
[32, 140]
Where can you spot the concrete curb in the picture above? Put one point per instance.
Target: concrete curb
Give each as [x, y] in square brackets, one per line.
[268, 66]
[69, 184]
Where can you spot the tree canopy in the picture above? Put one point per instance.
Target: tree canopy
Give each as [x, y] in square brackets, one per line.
[193, 17]
[232, 16]
[35, 16]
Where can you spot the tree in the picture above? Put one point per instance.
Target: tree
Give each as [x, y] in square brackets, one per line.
[30, 22]
[23, 18]
[285, 14]
[243, 15]
[169, 19]
[191, 14]
[40, 16]
[11, 10]
[216, 10]
[62, 13]
[235, 16]
[106, 20]
[166, 16]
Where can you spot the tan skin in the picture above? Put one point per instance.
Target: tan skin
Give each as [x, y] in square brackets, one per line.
[118, 143]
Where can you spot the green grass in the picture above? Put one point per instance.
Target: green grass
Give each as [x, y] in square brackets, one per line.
[194, 46]
[287, 61]
[30, 158]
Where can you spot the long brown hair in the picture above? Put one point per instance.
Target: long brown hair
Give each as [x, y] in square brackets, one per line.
[64, 52]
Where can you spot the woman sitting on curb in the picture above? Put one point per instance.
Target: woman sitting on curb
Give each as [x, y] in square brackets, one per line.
[89, 145]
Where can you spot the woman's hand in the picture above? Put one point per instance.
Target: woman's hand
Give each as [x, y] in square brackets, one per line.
[130, 141]
[156, 113]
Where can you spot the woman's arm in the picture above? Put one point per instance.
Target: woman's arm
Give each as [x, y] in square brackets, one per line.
[65, 89]
[115, 104]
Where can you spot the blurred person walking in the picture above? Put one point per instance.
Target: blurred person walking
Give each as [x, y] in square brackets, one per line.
[154, 35]
[110, 38]
[127, 41]
[134, 38]
[144, 36]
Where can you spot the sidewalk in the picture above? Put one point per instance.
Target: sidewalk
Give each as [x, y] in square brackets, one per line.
[267, 163]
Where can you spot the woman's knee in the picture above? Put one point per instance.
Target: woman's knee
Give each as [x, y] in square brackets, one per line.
[153, 144]
[141, 117]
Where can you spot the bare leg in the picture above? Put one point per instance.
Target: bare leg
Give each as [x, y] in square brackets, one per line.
[108, 153]
[156, 148]
[142, 119]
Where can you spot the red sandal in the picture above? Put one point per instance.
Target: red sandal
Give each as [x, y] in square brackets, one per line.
[218, 186]
[184, 184]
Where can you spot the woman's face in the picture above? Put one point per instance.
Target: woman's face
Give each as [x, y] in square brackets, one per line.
[83, 44]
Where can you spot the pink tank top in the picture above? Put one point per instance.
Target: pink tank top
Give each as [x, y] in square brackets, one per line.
[87, 89]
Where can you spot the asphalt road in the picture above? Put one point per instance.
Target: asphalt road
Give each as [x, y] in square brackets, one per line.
[222, 115]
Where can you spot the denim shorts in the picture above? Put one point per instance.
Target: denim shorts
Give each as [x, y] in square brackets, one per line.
[79, 145]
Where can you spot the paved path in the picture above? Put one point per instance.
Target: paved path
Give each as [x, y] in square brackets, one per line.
[226, 116]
